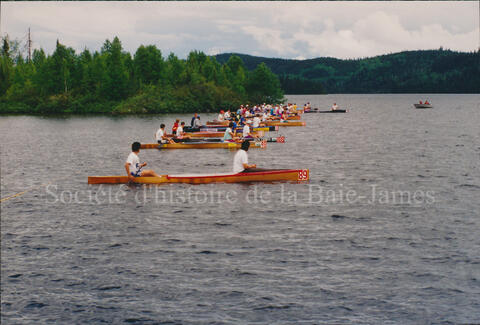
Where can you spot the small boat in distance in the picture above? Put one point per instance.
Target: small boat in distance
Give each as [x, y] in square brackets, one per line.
[272, 175]
[423, 105]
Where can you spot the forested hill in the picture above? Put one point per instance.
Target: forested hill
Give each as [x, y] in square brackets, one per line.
[115, 81]
[432, 71]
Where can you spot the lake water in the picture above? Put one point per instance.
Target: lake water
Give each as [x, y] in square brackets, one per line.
[387, 231]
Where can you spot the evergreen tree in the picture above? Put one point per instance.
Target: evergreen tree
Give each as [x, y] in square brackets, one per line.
[263, 86]
[175, 70]
[116, 81]
[6, 67]
[149, 65]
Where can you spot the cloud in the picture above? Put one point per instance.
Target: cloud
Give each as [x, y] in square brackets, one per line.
[381, 33]
[288, 29]
[272, 39]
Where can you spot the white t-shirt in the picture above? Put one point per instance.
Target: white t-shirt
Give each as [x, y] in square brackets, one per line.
[256, 122]
[227, 115]
[227, 135]
[197, 123]
[134, 162]
[220, 117]
[246, 130]
[240, 158]
[179, 130]
[159, 135]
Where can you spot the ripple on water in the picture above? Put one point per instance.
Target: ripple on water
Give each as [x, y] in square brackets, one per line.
[246, 263]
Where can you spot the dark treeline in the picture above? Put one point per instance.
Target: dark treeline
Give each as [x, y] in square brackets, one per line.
[113, 81]
[301, 86]
[432, 71]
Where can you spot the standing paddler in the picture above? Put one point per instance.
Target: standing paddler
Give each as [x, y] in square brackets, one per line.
[133, 166]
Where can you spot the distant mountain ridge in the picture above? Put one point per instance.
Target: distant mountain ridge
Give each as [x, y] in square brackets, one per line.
[425, 71]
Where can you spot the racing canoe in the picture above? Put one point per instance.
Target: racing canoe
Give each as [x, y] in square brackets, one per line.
[286, 123]
[219, 128]
[225, 123]
[315, 110]
[212, 134]
[273, 175]
[203, 145]
[280, 139]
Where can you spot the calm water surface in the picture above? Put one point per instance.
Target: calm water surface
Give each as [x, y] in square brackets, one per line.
[402, 248]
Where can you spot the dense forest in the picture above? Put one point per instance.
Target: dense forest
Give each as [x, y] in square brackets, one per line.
[113, 81]
[432, 71]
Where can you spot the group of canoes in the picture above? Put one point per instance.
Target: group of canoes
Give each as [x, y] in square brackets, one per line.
[244, 117]
[237, 126]
[135, 169]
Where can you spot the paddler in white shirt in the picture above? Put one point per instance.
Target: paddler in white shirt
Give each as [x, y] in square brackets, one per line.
[161, 137]
[256, 121]
[221, 117]
[264, 116]
[229, 135]
[133, 166]
[197, 123]
[180, 133]
[334, 107]
[240, 161]
[246, 130]
[227, 115]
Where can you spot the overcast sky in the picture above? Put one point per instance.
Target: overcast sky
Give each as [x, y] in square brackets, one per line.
[272, 29]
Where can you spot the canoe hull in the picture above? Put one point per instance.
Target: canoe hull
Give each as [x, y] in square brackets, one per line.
[218, 134]
[225, 123]
[203, 145]
[221, 128]
[422, 106]
[279, 175]
[280, 139]
[329, 111]
[294, 123]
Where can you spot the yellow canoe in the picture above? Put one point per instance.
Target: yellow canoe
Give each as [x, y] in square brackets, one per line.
[292, 123]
